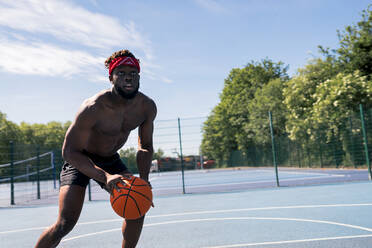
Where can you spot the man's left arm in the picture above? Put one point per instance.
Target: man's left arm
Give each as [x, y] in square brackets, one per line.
[145, 143]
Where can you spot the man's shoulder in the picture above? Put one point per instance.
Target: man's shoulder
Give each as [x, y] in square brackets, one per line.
[146, 100]
[96, 102]
[149, 105]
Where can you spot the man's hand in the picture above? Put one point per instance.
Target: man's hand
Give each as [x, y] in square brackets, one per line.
[112, 180]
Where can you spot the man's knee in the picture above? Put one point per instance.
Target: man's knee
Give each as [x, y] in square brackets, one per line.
[64, 226]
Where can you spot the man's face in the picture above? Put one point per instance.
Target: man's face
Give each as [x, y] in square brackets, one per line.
[125, 80]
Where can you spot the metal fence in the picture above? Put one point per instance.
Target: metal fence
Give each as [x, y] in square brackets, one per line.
[29, 172]
[350, 148]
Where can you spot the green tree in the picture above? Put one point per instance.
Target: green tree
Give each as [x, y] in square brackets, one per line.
[338, 98]
[48, 136]
[224, 130]
[299, 95]
[129, 156]
[9, 131]
[158, 154]
[355, 51]
[269, 98]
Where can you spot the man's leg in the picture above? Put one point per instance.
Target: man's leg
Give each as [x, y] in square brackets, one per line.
[71, 199]
[131, 232]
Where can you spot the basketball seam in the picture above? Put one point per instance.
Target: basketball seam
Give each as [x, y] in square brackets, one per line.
[139, 210]
[117, 197]
[132, 184]
[145, 196]
[126, 200]
[131, 197]
[140, 185]
[135, 191]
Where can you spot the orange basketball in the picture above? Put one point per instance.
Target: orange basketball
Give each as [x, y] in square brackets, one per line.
[134, 199]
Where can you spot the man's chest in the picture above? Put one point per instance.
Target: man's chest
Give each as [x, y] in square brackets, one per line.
[120, 122]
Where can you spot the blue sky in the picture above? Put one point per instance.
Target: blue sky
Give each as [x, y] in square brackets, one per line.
[52, 51]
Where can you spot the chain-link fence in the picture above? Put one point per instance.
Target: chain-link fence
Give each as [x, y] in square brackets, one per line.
[349, 148]
[30, 172]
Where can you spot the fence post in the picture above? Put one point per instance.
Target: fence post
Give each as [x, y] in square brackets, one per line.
[11, 173]
[179, 135]
[273, 148]
[352, 142]
[38, 171]
[365, 140]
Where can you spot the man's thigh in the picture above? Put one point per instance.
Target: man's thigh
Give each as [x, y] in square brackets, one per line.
[71, 199]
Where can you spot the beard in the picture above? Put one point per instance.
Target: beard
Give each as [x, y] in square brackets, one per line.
[126, 95]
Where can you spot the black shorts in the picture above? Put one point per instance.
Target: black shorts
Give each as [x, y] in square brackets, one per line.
[112, 165]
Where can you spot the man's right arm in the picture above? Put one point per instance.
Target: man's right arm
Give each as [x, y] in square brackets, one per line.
[76, 141]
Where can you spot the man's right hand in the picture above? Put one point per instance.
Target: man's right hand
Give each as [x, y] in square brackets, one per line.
[112, 180]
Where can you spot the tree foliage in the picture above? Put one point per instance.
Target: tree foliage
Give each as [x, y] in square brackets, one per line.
[311, 105]
[48, 136]
[226, 128]
[355, 51]
[269, 98]
[338, 98]
[129, 156]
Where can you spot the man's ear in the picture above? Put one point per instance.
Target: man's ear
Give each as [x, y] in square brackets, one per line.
[110, 78]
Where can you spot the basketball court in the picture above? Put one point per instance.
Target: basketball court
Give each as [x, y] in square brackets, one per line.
[327, 215]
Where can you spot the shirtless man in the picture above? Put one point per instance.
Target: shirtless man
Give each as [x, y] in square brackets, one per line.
[100, 129]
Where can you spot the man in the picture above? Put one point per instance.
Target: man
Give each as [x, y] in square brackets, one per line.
[101, 128]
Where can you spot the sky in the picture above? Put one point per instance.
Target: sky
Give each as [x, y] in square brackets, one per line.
[52, 52]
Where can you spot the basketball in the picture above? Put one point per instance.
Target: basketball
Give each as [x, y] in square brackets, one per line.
[134, 199]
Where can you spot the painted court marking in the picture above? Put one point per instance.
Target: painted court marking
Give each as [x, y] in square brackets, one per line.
[253, 182]
[204, 212]
[302, 173]
[241, 218]
[291, 241]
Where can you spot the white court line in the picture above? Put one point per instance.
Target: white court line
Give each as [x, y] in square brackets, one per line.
[301, 173]
[229, 218]
[205, 212]
[291, 241]
[254, 182]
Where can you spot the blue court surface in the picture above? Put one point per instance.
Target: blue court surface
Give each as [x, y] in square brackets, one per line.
[327, 215]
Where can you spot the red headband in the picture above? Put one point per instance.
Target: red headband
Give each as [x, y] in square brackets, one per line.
[129, 61]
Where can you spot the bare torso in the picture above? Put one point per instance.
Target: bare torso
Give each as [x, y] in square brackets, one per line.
[114, 121]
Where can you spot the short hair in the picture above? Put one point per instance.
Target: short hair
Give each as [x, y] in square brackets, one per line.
[120, 53]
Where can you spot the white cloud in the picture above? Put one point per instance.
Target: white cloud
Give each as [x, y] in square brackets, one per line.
[29, 30]
[43, 59]
[69, 22]
[212, 6]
